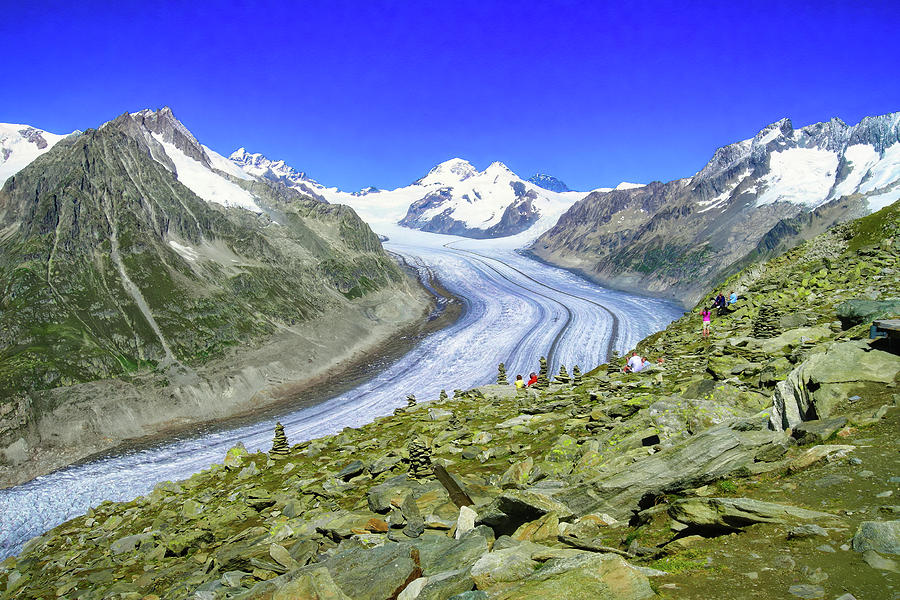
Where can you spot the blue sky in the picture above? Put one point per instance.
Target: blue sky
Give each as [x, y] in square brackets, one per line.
[377, 92]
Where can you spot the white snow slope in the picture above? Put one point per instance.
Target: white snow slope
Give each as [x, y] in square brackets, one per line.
[21, 144]
[810, 168]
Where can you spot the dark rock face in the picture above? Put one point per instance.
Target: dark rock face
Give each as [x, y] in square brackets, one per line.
[673, 239]
[549, 182]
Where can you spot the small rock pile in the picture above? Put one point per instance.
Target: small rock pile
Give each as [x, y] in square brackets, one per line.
[543, 375]
[419, 459]
[563, 376]
[443, 396]
[501, 375]
[576, 375]
[410, 400]
[280, 448]
[613, 365]
[765, 325]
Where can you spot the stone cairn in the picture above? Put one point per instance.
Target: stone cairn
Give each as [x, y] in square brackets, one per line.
[563, 376]
[419, 459]
[765, 325]
[410, 400]
[280, 448]
[576, 375]
[543, 375]
[501, 375]
[443, 395]
[612, 366]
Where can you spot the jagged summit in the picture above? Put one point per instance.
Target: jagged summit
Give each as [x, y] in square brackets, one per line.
[549, 182]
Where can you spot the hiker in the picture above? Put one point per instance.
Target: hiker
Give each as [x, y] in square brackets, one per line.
[733, 298]
[707, 317]
[532, 379]
[635, 363]
[720, 301]
[520, 383]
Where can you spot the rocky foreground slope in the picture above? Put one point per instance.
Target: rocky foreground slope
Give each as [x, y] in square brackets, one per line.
[759, 196]
[757, 463]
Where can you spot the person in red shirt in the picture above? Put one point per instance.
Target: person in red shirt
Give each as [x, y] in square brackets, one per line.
[532, 379]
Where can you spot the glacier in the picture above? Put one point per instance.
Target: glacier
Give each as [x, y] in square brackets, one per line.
[516, 310]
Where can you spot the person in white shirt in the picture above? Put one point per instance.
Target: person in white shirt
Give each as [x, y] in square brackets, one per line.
[635, 363]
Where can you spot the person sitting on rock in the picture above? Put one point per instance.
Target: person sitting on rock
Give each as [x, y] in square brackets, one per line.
[532, 379]
[733, 298]
[720, 302]
[520, 383]
[635, 363]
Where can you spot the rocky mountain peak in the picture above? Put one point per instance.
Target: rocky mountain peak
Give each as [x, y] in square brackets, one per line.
[548, 182]
[259, 165]
[160, 126]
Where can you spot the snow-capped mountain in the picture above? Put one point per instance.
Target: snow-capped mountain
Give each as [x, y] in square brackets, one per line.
[759, 195]
[20, 145]
[457, 198]
[453, 197]
[811, 165]
[202, 170]
[260, 167]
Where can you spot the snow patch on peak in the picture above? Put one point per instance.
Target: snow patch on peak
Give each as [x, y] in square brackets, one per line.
[20, 145]
[626, 185]
[206, 183]
[769, 133]
[456, 168]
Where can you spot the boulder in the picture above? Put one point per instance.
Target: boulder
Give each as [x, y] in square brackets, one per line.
[859, 311]
[713, 454]
[447, 584]
[880, 536]
[351, 470]
[585, 576]
[730, 514]
[816, 387]
[503, 566]
[518, 474]
[818, 430]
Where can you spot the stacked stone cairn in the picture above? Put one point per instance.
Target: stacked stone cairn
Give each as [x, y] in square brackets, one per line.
[501, 375]
[765, 325]
[543, 375]
[280, 448]
[443, 396]
[563, 376]
[576, 375]
[612, 366]
[410, 400]
[419, 459]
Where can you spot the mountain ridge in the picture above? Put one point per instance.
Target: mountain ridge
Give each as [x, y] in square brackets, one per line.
[668, 239]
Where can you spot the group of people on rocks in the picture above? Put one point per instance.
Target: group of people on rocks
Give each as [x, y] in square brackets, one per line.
[720, 304]
[521, 384]
[639, 363]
